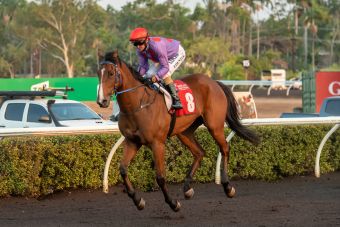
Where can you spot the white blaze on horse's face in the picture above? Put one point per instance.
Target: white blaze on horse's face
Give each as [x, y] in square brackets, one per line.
[103, 100]
[100, 91]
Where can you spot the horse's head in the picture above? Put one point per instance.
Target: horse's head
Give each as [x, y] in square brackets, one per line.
[109, 78]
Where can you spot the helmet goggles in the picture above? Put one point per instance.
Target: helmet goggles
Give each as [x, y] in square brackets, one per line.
[138, 42]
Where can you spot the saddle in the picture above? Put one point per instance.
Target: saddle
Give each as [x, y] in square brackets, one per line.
[185, 95]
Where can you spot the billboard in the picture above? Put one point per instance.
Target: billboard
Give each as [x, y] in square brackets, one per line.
[327, 84]
[85, 88]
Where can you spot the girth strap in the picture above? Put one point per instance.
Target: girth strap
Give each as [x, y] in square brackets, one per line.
[172, 123]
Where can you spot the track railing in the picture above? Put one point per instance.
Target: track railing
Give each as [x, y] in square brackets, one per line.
[287, 84]
[49, 131]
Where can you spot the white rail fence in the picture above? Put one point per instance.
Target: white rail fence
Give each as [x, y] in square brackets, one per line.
[51, 131]
[287, 84]
[48, 131]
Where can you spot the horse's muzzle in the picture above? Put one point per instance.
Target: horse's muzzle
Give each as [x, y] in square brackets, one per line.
[104, 103]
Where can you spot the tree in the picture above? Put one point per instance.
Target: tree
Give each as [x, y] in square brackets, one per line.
[334, 25]
[208, 54]
[12, 49]
[64, 22]
[314, 12]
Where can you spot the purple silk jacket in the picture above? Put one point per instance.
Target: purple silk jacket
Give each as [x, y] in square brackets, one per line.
[159, 50]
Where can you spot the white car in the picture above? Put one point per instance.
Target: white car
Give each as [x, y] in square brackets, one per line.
[27, 113]
[115, 113]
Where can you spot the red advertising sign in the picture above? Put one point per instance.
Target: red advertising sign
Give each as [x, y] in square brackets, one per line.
[327, 84]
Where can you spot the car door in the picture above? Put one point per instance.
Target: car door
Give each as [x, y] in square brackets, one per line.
[37, 116]
[13, 114]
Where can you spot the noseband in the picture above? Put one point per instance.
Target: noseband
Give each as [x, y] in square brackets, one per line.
[118, 78]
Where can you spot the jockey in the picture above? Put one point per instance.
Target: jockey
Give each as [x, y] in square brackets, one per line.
[166, 55]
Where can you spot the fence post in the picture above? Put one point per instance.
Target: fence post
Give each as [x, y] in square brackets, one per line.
[308, 92]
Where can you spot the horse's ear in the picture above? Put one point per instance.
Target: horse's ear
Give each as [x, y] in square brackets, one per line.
[109, 56]
[116, 57]
[112, 57]
[101, 57]
[115, 54]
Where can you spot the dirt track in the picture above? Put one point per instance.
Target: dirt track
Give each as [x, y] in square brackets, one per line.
[296, 201]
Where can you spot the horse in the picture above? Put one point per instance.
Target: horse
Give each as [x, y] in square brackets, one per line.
[145, 120]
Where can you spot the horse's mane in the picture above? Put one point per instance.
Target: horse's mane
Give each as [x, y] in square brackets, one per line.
[135, 73]
[109, 56]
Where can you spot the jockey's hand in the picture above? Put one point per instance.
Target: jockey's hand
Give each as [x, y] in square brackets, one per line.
[154, 79]
[150, 80]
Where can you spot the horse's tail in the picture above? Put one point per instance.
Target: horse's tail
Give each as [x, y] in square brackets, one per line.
[233, 118]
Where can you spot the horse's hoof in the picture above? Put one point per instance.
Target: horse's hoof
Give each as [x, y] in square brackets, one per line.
[141, 204]
[231, 192]
[189, 194]
[176, 207]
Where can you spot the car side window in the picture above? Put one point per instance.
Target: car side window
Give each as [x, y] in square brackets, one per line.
[333, 107]
[15, 111]
[35, 112]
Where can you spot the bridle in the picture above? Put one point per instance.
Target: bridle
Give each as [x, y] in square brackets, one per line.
[118, 79]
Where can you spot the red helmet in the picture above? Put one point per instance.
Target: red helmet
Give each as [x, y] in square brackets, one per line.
[139, 34]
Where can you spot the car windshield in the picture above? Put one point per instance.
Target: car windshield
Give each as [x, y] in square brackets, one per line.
[72, 111]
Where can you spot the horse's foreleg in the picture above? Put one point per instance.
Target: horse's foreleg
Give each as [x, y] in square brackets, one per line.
[197, 151]
[130, 150]
[158, 153]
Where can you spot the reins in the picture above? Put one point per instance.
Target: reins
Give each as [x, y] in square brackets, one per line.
[141, 105]
[128, 90]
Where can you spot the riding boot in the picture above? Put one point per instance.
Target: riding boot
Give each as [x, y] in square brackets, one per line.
[176, 102]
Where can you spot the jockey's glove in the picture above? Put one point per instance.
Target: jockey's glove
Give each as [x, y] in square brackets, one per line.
[149, 80]
[154, 79]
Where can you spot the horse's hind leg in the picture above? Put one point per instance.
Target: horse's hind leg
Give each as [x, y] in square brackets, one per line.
[159, 158]
[218, 134]
[130, 150]
[188, 139]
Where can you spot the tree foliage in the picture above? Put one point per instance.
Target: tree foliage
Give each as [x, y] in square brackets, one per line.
[67, 37]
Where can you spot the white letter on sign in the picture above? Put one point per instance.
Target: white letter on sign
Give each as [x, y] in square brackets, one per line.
[332, 89]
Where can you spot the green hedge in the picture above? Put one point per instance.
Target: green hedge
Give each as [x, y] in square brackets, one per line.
[34, 166]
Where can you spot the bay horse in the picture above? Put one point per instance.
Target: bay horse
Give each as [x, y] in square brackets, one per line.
[145, 120]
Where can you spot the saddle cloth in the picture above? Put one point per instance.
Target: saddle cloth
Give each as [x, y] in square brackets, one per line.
[185, 95]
